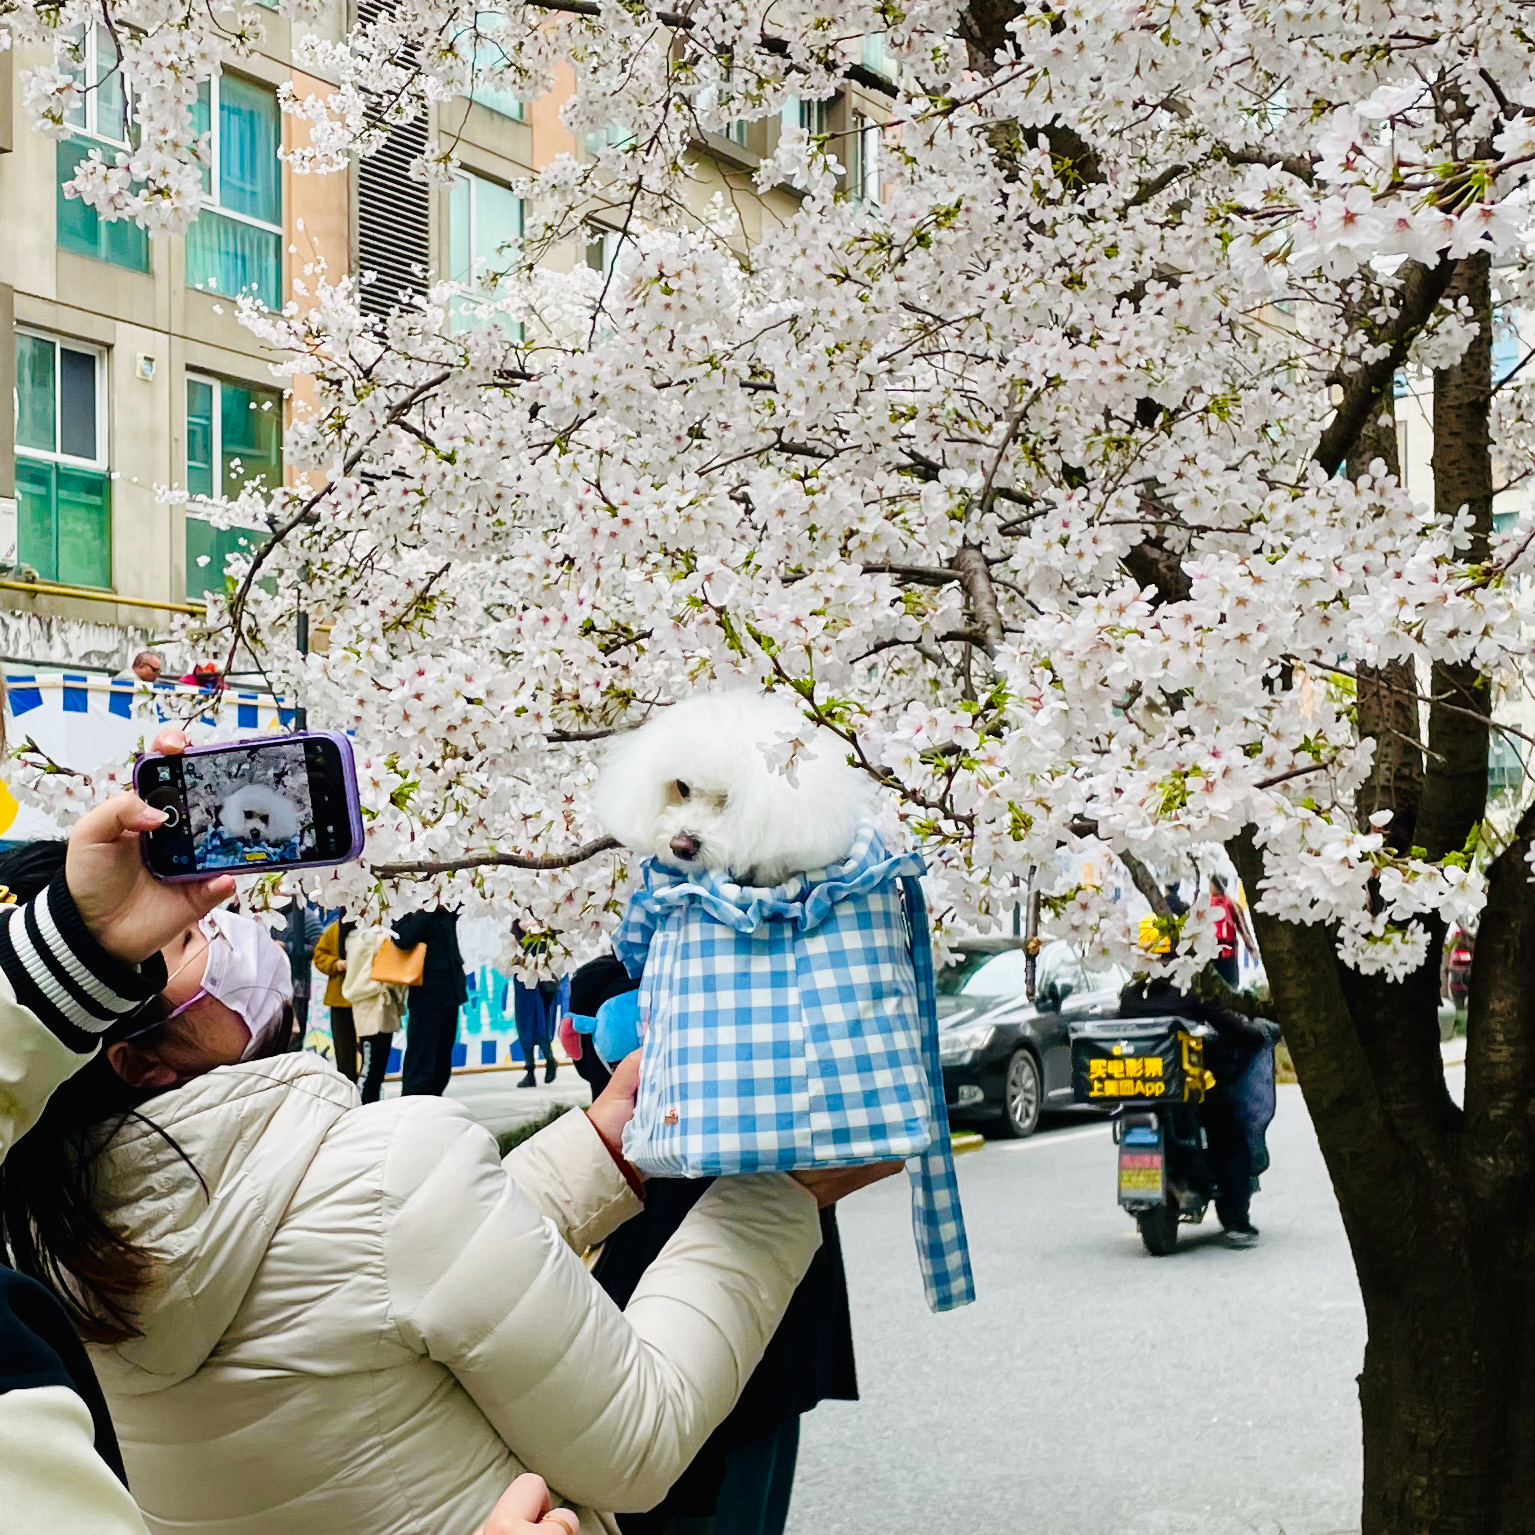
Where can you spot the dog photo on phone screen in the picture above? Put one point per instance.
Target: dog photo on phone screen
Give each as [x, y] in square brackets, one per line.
[247, 810]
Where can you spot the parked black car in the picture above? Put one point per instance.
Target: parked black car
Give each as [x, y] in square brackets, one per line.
[1006, 1058]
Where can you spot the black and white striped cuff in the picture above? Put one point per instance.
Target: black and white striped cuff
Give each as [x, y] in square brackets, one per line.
[64, 976]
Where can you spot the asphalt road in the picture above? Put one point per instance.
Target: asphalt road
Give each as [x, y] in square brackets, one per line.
[1093, 1389]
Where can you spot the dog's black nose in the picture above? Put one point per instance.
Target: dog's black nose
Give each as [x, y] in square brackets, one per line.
[684, 845]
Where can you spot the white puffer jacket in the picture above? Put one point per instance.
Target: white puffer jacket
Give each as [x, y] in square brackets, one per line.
[370, 1323]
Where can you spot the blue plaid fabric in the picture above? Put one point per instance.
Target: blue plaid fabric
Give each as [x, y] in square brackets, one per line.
[796, 1027]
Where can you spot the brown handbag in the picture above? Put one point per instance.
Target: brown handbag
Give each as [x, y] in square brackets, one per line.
[395, 966]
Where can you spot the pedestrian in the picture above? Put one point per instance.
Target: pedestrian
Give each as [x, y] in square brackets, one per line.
[539, 1008]
[432, 1026]
[205, 675]
[376, 1007]
[146, 667]
[1230, 925]
[375, 1300]
[301, 934]
[330, 961]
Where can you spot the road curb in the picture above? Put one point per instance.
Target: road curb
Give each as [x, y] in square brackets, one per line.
[966, 1140]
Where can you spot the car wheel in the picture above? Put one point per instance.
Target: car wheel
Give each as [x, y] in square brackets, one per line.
[1021, 1096]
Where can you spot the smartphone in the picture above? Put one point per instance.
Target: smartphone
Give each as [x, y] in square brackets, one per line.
[281, 802]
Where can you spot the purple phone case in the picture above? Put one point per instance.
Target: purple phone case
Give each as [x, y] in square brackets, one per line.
[349, 778]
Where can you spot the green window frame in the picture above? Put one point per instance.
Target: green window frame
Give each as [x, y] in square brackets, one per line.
[235, 244]
[234, 439]
[63, 486]
[483, 216]
[102, 118]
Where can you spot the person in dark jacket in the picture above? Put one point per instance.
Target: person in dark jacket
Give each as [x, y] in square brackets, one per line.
[431, 1028]
[1227, 1056]
[740, 1481]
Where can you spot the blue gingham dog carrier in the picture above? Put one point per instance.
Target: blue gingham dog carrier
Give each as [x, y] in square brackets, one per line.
[796, 1026]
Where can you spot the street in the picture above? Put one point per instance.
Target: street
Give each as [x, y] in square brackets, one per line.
[1093, 1389]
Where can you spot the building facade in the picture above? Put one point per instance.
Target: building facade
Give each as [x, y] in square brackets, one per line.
[130, 372]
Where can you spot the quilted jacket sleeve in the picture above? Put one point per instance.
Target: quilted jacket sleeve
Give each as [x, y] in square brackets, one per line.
[608, 1406]
[568, 1174]
[51, 1478]
[59, 991]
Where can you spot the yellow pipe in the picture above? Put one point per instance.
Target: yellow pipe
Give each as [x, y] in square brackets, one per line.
[89, 594]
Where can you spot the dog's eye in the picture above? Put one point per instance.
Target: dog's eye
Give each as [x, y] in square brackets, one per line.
[683, 792]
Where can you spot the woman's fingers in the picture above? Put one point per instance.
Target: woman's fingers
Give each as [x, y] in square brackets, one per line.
[169, 743]
[829, 1184]
[625, 1080]
[112, 817]
[524, 1509]
[613, 1107]
[126, 910]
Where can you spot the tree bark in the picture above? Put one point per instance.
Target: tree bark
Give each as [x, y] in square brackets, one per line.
[1387, 695]
[1455, 790]
[1437, 1201]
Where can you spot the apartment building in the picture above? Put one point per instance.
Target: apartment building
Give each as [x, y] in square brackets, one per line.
[129, 370]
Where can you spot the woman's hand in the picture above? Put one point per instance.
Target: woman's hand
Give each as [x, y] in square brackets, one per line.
[126, 909]
[829, 1184]
[524, 1510]
[613, 1107]
[340, 967]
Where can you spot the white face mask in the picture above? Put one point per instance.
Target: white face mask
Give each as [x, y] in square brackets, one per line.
[248, 972]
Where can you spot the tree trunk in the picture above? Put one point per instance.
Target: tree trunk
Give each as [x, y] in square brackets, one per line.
[1438, 1203]
[1387, 695]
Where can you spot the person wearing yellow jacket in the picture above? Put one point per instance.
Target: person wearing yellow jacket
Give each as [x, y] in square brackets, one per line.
[330, 961]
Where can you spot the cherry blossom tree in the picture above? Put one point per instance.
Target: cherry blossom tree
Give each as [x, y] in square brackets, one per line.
[1060, 485]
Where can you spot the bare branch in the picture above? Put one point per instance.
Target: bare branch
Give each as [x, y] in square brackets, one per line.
[430, 866]
[970, 565]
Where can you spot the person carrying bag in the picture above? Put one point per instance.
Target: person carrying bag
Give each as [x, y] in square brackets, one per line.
[378, 1006]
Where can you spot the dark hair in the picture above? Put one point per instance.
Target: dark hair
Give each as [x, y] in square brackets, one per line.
[49, 1223]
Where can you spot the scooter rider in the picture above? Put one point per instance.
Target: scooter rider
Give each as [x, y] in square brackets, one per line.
[1227, 1055]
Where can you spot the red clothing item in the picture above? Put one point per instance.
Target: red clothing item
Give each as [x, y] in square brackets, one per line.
[1225, 924]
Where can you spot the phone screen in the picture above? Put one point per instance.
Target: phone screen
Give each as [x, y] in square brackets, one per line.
[260, 805]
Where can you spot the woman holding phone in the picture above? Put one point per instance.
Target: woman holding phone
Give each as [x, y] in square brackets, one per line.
[311, 1315]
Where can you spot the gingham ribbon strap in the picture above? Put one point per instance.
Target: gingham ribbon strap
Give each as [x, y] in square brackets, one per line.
[796, 1026]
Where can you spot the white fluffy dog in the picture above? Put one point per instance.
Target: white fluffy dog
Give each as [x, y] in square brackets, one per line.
[255, 813]
[693, 787]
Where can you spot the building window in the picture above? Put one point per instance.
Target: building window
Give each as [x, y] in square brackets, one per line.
[863, 169]
[102, 109]
[813, 116]
[234, 439]
[102, 121]
[483, 216]
[602, 248]
[599, 138]
[63, 490]
[235, 245]
[485, 53]
[873, 54]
